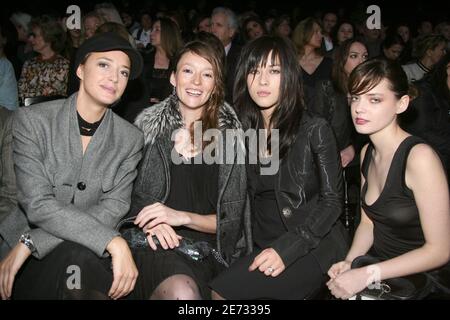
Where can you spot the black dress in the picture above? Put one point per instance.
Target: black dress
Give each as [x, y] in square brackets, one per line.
[322, 72]
[193, 188]
[311, 81]
[395, 216]
[299, 281]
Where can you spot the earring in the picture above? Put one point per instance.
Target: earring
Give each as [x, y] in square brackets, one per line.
[174, 90]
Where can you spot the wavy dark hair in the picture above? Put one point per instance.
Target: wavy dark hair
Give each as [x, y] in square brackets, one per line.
[256, 19]
[334, 32]
[171, 40]
[338, 75]
[287, 115]
[370, 73]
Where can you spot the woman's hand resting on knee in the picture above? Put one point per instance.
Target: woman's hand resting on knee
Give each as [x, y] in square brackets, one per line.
[269, 262]
[124, 269]
[9, 268]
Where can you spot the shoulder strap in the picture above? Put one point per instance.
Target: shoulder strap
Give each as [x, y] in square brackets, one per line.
[366, 161]
[401, 158]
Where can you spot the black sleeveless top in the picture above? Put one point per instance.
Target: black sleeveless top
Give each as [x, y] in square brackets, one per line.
[394, 214]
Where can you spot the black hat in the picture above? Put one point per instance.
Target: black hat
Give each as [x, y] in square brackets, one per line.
[110, 41]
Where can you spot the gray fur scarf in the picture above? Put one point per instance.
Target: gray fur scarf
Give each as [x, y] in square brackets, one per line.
[161, 119]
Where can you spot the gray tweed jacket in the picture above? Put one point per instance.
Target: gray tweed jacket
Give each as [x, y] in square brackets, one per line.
[63, 194]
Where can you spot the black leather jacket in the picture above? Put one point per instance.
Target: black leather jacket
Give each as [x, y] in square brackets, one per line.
[309, 195]
[427, 117]
[333, 106]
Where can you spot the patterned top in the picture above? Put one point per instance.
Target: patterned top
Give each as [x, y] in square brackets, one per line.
[44, 77]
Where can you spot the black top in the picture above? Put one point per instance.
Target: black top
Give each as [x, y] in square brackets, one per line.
[267, 223]
[322, 72]
[428, 118]
[159, 84]
[156, 80]
[193, 188]
[333, 106]
[395, 216]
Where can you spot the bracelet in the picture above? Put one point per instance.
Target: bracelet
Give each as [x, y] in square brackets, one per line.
[26, 240]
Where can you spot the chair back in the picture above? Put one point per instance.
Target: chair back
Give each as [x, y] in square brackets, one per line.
[34, 100]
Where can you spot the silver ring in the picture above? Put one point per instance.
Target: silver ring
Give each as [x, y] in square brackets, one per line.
[270, 269]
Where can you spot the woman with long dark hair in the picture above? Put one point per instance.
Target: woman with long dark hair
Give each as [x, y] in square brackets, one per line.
[166, 40]
[295, 209]
[329, 99]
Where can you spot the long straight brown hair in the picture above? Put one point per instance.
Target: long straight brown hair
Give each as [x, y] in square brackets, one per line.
[171, 40]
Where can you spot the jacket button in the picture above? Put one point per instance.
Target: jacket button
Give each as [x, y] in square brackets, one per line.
[287, 212]
[81, 186]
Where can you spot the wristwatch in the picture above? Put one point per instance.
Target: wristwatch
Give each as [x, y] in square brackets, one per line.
[26, 240]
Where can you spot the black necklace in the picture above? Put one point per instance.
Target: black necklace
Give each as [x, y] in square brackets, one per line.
[86, 128]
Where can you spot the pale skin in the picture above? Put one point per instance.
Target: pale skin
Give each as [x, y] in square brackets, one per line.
[424, 175]
[194, 81]
[103, 78]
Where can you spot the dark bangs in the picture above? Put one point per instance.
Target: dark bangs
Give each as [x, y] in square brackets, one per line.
[371, 72]
[363, 79]
[260, 55]
[286, 117]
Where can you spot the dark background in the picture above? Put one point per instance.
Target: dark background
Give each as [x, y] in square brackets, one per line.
[391, 11]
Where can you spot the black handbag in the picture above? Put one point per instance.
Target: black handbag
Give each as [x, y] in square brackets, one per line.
[195, 250]
[412, 287]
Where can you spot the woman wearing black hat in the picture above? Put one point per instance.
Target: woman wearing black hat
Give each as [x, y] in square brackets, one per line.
[75, 165]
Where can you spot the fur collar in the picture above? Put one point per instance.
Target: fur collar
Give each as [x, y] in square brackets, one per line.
[161, 119]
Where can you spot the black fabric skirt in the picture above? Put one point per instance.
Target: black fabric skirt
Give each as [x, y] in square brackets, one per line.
[301, 280]
[156, 266]
[70, 271]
